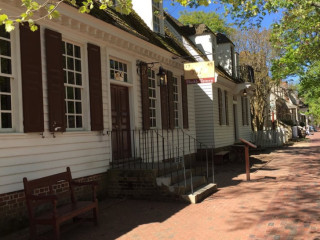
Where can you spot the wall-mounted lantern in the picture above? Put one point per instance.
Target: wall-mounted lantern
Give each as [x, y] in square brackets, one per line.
[244, 93]
[162, 77]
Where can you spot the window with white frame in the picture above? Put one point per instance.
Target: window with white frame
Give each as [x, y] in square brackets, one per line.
[155, 14]
[175, 102]
[73, 82]
[118, 70]
[152, 98]
[5, 80]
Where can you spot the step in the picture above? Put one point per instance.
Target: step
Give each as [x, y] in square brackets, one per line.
[180, 188]
[200, 193]
[172, 178]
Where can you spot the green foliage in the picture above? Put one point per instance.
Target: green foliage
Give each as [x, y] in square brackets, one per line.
[211, 19]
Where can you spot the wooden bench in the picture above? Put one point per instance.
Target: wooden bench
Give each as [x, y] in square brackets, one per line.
[219, 156]
[41, 193]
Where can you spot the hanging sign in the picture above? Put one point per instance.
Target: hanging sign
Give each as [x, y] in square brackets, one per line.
[199, 72]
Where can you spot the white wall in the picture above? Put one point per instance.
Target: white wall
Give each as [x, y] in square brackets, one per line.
[205, 44]
[144, 10]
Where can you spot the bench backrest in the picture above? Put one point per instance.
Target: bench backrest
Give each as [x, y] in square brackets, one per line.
[48, 185]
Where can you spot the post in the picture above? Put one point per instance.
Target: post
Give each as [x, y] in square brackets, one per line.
[246, 154]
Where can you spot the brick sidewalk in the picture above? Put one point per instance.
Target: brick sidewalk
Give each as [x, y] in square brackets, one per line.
[281, 202]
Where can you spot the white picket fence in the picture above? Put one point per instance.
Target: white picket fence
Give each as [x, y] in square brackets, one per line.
[271, 138]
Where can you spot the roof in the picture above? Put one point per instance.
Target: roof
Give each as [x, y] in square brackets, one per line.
[221, 38]
[184, 31]
[133, 24]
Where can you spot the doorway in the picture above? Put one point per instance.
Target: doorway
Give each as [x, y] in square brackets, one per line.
[120, 112]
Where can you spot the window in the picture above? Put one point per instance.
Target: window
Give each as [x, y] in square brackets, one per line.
[73, 85]
[220, 105]
[118, 70]
[152, 97]
[5, 80]
[245, 111]
[155, 14]
[226, 107]
[175, 102]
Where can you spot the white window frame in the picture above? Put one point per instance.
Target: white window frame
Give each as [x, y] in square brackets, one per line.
[176, 102]
[118, 74]
[156, 21]
[84, 89]
[13, 87]
[152, 98]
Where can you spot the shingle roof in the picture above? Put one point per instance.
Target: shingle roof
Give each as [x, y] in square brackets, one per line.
[221, 38]
[184, 31]
[133, 24]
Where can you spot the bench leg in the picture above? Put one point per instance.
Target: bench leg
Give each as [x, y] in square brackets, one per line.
[95, 215]
[33, 231]
[56, 232]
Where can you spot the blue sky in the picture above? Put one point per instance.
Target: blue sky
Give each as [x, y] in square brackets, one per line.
[177, 8]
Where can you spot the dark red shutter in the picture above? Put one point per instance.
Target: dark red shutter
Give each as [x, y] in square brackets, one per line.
[243, 111]
[184, 92]
[95, 87]
[55, 78]
[220, 105]
[31, 72]
[226, 102]
[164, 107]
[170, 100]
[145, 96]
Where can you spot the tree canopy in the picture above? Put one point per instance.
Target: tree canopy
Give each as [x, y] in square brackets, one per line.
[211, 19]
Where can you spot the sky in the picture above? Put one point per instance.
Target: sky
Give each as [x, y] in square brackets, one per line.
[177, 8]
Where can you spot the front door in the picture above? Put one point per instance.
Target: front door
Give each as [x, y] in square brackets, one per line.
[121, 137]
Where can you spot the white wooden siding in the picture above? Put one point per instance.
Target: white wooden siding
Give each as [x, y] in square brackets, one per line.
[223, 134]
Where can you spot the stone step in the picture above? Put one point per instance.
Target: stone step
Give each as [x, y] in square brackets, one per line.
[200, 193]
[180, 188]
[173, 177]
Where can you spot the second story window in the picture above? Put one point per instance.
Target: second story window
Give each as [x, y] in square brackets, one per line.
[73, 85]
[155, 16]
[176, 102]
[152, 97]
[5, 80]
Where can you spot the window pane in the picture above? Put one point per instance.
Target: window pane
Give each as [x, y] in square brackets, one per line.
[77, 52]
[5, 65]
[6, 120]
[65, 77]
[78, 79]
[111, 64]
[69, 49]
[70, 93]
[4, 33]
[70, 107]
[78, 65]
[79, 121]
[5, 48]
[77, 94]
[70, 63]
[78, 108]
[5, 102]
[70, 77]
[64, 62]
[5, 84]
[71, 122]
[112, 74]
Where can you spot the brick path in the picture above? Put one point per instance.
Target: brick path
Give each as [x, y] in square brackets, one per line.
[282, 202]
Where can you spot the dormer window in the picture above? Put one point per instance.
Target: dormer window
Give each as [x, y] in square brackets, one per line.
[155, 16]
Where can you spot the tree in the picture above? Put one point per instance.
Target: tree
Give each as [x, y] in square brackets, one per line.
[210, 19]
[256, 50]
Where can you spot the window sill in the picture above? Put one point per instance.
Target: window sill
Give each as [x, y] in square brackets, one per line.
[116, 82]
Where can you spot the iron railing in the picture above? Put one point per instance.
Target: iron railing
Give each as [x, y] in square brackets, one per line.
[166, 151]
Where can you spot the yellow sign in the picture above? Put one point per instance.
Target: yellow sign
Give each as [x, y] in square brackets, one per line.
[199, 72]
